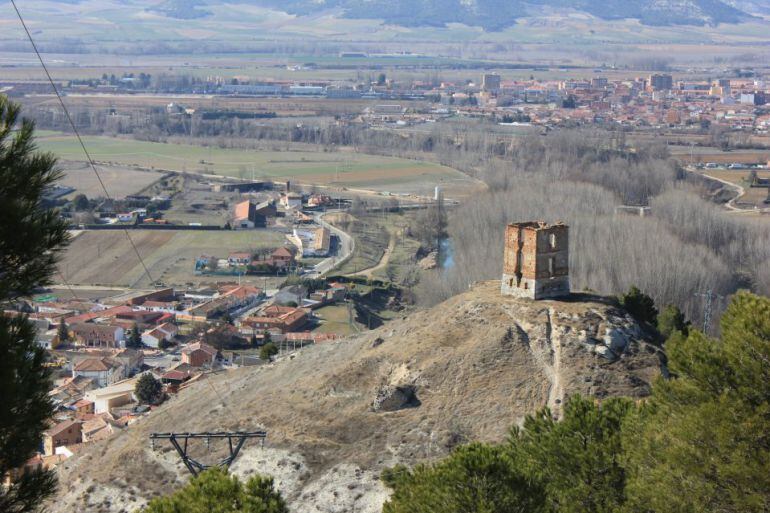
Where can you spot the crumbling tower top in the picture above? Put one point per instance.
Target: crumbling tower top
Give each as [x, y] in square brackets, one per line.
[536, 260]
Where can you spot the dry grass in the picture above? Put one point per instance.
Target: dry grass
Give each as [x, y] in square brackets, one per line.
[480, 363]
[120, 181]
[169, 254]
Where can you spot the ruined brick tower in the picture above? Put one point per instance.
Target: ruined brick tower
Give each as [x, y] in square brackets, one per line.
[536, 260]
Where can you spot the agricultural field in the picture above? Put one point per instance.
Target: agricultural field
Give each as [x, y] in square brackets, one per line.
[705, 154]
[736, 176]
[341, 168]
[752, 197]
[119, 181]
[169, 254]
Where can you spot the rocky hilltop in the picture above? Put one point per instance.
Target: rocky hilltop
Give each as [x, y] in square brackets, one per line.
[338, 413]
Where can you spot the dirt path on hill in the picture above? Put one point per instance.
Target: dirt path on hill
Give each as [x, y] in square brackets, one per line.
[369, 272]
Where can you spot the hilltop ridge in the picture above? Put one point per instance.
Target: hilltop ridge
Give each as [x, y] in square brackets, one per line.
[338, 413]
[495, 15]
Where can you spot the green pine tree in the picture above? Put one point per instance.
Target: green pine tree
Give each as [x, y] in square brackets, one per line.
[574, 465]
[63, 332]
[34, 236]
[640, 306]
[578, 459]
[148, 390]
[701, 441]
[213, 491]
[474, 478]
[672, 320]
[135, 339]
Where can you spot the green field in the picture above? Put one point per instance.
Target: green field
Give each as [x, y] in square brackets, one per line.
[344, 168]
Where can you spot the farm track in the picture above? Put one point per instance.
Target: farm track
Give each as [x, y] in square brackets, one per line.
[740, 191]
[383, 262]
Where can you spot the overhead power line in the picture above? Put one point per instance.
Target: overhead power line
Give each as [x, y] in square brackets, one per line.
[77, 134]
[240, 437]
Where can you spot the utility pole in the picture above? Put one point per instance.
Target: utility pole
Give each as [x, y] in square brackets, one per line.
[194, 466]
[708, 307]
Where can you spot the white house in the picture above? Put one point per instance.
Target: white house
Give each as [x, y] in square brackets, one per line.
[152, 338]
[312, 242]
[112, 396]
[104, 371]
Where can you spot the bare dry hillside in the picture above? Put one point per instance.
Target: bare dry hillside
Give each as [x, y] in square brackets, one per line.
[337, 414]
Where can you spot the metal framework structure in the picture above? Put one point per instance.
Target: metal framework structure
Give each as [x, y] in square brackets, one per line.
[708, 306]
[235, 441]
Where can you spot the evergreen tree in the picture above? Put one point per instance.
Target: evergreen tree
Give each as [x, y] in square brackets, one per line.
[474, 478]
[640, 306]
[578, 459]
[213, 491]
[80, 203]
[701, 441]
[135, 339]
[672, 320]
[574, 465]
[148, 390]
[63, 332]
[31, 240]
[268, 351]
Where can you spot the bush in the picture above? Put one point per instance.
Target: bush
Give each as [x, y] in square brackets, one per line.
[268, 351]
[214, 491]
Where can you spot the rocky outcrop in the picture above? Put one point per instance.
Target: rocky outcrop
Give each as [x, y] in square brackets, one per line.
[393, 398]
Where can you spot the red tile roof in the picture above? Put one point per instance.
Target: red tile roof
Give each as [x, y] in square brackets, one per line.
[109, 312]
[61, 427]
[176, 375]
[242, 210]
[202, 346]
[95, 364]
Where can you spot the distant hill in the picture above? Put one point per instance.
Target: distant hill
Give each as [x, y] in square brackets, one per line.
[495, 15]
[338, 413]
[182, 9]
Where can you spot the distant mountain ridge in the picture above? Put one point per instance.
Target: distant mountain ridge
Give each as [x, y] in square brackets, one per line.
[495, 15]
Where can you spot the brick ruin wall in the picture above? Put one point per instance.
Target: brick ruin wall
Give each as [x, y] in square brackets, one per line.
[536, 261]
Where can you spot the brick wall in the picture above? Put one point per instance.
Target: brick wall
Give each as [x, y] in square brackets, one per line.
[536, 260]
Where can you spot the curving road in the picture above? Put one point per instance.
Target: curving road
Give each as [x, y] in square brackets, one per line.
[739, 192]
[344, 250]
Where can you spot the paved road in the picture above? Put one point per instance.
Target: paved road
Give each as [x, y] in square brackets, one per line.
[345, 248]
